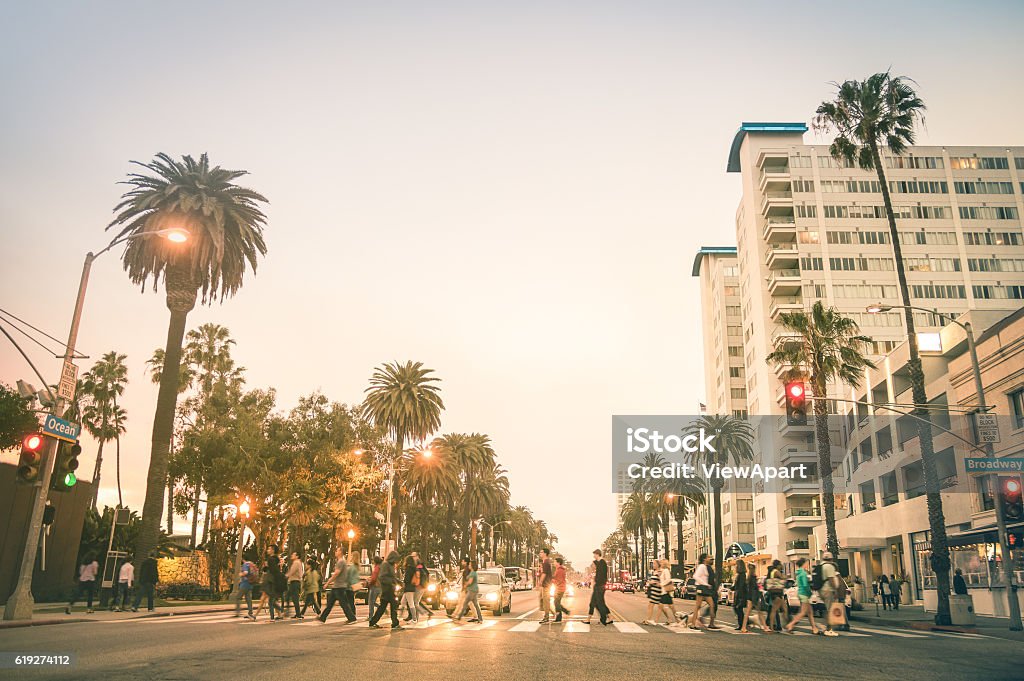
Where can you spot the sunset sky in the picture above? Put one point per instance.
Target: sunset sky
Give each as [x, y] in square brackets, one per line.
[511, 193]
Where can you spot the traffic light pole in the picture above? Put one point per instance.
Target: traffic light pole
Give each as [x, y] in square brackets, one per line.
[20, 604]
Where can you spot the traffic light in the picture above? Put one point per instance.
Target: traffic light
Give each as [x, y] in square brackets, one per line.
[1013, 503]
[64, 470]
[796, 403]
[31, 458]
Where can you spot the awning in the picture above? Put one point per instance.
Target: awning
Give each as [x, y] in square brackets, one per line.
[984, 535]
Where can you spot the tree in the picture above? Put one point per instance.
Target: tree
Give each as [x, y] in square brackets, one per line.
[403, 401]
[101, 415]
[733, 438]
[680, 494]
[225, 226]
[16, 418]
[884, 110]
[829, 349]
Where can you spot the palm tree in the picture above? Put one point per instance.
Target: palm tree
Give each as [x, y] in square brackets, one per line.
[829, 349]
[680, 493]
[403, 401]
[225, 226]
[101, 415]
[733, 438]
[883, 110]
[185, 378]
[208, 356]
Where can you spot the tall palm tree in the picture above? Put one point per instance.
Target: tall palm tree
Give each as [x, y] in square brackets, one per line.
[208, 356]
[884, 110]
[486, 494]
[185, 378]
[225, 226]
[733, 438]
[680, 494]
[403, 401]
[829, 349]
[101, 415]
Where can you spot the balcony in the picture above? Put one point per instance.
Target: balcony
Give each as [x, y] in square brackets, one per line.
[774, 178]
[802, 517]
[780, 229]
[784, 255]
[782, 304]
[797, 546]
[785, 429]
[801, 454]
[783, 337]
[773, 158]
[808, 486]
[777, 203]
[784, 282]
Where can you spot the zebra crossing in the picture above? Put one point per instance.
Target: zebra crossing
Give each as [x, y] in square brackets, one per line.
[572, 626]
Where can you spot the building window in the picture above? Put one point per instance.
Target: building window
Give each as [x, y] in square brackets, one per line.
[760, 515]
[745, 528]
[890, 495]
[738, 393]
[735, 372]
[744, 505]
[725, 508]
[867, 496]
[762, 542]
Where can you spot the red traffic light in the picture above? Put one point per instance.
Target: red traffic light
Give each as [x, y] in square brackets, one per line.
[1011, 487]
[795, 390]
[32, 442]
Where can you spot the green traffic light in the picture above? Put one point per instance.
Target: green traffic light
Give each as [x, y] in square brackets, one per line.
[70, 480]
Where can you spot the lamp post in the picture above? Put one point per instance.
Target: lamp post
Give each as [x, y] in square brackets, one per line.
[20, 603]
[243, 512]
[1004, 546]
[351, 535]
[492, 526]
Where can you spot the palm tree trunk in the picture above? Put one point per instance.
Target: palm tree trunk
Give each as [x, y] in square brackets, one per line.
[96, 476]
[195, 518]
[117, 466]
[680, 552]
[170, 506]
[821, 435]
[716, 488]
[207, 517]
[181, 298]
[936, 518]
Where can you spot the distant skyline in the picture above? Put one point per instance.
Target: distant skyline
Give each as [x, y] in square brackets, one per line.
[511, 194]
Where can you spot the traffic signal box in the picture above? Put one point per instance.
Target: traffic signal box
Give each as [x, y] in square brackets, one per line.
[796, 403]
[64, 477]
[30, 462]
[1010, 489]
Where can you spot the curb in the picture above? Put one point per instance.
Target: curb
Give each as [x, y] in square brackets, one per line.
[17, 624]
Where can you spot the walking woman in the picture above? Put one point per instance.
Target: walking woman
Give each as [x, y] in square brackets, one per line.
[310, 587]
[410, 582]
[739, 594]
[701, 579]
[753, 601]
[472, 589]
[885, 591]
[665, 579]
[775, 585]
[654, 592]
[803, 592]
[270, 579]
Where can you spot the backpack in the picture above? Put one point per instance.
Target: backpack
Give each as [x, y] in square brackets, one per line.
[775, 584]
[817, 581]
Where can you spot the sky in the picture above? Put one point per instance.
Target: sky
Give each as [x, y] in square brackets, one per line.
[511, 193]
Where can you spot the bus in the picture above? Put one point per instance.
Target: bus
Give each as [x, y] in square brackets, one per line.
[521, 578]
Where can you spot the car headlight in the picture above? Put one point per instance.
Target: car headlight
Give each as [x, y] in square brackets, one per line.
[431, 587]
[491, 597]
[452, 595]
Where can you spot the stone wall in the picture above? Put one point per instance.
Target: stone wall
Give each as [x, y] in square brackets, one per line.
[188, 568]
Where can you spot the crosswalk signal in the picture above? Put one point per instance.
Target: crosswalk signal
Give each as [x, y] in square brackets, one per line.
[1013, 502]
[31, 459]
[796, 403]
[64, 477]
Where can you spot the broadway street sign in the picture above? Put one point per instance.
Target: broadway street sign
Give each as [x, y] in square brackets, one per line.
[994, 465]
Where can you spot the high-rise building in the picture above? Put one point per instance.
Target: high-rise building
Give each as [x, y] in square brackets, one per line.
[810, 228]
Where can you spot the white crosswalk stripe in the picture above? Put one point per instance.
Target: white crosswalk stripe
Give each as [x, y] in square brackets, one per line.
[526, 626]
[887, 632]
[629, 628]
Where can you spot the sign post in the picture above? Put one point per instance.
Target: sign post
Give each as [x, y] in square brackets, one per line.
[988, 428]
[68, 381]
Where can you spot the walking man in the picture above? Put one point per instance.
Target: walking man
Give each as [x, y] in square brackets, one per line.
[544, 584]
[294, 575]
[125, 581]
[421, 588]
[830, 590]
[388, 580]
[86, 583]
[559, 581]
[149, 577]
[597, 595]
[246, 578]
[373, 584]
[338, 583]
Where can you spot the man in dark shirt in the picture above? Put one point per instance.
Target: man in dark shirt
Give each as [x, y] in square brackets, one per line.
[597, 595]
[388, 580]
[544, 584]
[149, 577]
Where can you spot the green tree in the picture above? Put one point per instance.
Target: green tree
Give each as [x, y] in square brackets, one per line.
[829, 349]
[403, 401]
[16, 418]
[225, 226]
[101, 415]
[733, 439]
[883, 111]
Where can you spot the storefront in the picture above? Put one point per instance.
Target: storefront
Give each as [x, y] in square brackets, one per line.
[979, 557]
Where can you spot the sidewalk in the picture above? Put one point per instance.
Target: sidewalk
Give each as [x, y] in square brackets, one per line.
[53, 613]
[914, 617]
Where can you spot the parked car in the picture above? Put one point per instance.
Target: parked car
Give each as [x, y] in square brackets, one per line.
[726, 594]
[678, 587]
[361, 591]
[690, 589]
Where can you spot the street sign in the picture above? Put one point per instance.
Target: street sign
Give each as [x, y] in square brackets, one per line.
[988, 428]
[988, 465]
[68, 380]
[56, 427]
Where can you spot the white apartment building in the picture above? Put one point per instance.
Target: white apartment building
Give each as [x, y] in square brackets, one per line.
[809, 229]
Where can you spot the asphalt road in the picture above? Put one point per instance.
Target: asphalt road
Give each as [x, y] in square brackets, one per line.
[514, 646]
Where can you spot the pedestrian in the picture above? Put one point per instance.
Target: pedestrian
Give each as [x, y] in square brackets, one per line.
[125, 581]
[248, 576]
[373, 584]
[545, 575]
[351, 581]
[753, 604]
[803, 592]
[294, 575]
[310, 587]
[665, 579]
[653, 590]
[270, 584]
[338, 584]
[712, 603]
[86, 583]
[739, 595]
[831, 591]
[558, 579]
[410, 581]
[421, 588]
[959, 583]
[149, 577]
[388, 580]
[701, 580]
[597, 594]
[472, 588]
[463, 576]
[885, 591]
[775, 587]
[896, 585]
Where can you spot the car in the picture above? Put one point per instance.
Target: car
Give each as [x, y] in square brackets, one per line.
[437, 585]
[690, 589]
[495, 593]
[627, 588]
[678, 586]
[725, 594]
[361, 590]
[522, 578]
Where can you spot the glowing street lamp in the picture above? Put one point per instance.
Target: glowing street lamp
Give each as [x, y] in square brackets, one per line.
[351, 534]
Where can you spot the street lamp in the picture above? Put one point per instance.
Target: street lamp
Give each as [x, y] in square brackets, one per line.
[20, 603]
[1004, 546]
[243, 511]
[351, 534]
[492, 526]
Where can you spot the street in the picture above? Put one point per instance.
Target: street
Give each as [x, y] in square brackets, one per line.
[514, 646]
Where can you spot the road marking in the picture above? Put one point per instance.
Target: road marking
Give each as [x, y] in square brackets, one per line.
[629, 627]
[185, 619]
[955, 634]
[681, 629]
[576, 628]
[528, 626]
[426, 624]
[476, 626]
[882, 632]
[527, 614]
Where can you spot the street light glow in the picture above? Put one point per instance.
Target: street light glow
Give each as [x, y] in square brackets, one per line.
[177, 235]
[427, 453]
[351, 535]
[357, 452]
[878, 307]
[243, 508]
